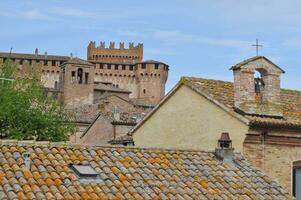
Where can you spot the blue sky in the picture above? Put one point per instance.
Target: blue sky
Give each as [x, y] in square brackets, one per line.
[201, 38]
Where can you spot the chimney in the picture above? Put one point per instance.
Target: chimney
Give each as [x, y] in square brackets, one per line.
[26, 157]
[224, 150]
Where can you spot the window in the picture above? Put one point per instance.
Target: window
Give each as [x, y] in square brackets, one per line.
[84, 171]
[297, 180]
[156, 66]
[143, 66]
[80, 75]
[144, 91]
[116, 67]
[21, 62]
[123, 67]
[109, 66]
[131, 68]
[72, 76]
[53, 63]
[56, 85]
[86, 78]
[101, 66]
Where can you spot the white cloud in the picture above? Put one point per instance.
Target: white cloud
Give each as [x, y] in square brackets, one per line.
[179, 37]
[70, 12]
[33, 14]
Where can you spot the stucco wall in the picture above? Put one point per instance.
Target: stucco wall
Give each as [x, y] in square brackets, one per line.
[188, 120]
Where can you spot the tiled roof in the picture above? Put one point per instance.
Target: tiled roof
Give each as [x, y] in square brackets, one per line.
[77, 60]
[128, 173]
[223, 92]
[33, 56]
[110, 88]
[85, 113]
[244, 62]
[121, 140]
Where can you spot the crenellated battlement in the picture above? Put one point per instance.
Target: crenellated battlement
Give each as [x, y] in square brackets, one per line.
[110, 53]
[102, 45]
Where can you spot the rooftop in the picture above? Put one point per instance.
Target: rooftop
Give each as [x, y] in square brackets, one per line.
[33, 56]
[127, 173]
[223, 92]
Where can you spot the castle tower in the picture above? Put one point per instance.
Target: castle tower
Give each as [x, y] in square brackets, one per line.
[151, 78]
[77, 82]
[111, 54]
[257, 95]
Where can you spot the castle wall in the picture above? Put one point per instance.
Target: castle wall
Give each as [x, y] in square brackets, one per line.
[151, 79]
[120, 66]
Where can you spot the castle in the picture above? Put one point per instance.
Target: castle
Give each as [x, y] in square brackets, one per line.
[111, 82]
[121, 67]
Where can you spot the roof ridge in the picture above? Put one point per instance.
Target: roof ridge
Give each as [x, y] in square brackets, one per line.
[70, 144]
[224, 81]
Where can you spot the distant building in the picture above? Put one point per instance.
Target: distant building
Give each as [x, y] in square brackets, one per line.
[264, 121]
[110, 78]
[41, 170]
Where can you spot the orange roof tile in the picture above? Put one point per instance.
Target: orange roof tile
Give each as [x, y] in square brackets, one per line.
[126, 173]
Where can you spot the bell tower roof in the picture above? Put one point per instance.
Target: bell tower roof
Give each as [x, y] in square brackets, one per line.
[250, 60]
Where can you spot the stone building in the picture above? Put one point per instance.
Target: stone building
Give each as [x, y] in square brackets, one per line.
[111, 79]
[121, 67]
[264, 121]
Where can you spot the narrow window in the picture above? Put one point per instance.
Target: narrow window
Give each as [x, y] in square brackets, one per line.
[116, 67]
[144, 91]
[56, 85]
[72, 76]
[53, 63]
[86, 78]
[80, 75]
[101, 66]
[297, 180]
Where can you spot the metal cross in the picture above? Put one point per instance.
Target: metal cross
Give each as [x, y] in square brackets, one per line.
[257, 46]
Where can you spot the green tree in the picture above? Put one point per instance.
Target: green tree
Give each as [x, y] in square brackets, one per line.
[26, 112]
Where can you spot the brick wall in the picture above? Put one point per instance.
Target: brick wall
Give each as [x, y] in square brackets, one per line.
[274, 156]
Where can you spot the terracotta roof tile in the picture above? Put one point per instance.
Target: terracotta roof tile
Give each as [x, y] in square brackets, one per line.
[129, 173]
[223, 92]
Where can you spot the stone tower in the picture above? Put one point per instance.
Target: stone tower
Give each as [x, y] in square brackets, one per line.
[77, 82]
[257, 95]
[123, 68]
[151, 78]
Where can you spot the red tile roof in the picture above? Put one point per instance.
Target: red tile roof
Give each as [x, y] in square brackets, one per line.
[127, 173]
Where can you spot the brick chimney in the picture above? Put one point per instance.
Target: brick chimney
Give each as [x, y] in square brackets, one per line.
[257, 95]
[224, 150]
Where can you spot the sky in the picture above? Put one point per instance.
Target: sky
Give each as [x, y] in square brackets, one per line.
[200, 38]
